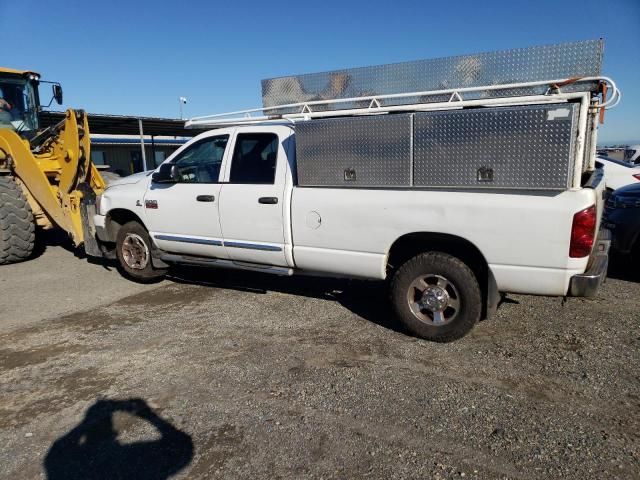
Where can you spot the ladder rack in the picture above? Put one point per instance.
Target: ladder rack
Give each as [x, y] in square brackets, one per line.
[424, 101]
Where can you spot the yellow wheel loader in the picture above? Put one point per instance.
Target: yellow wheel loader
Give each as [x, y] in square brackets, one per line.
[46, 175]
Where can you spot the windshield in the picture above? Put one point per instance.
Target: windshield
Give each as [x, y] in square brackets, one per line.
[17, 105]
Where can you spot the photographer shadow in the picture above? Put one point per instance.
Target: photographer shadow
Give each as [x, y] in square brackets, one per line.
[92, 450]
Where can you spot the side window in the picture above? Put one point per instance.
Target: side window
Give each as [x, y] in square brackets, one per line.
[159, 157]
[200, 162]
[254, 158]
[97, 157]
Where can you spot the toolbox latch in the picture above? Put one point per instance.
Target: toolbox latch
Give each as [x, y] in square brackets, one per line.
[485, 174]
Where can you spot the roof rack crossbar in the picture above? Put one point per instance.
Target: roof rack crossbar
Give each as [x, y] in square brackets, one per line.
[305, 110]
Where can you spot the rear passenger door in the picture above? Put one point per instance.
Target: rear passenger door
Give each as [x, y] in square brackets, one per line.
[252, 199]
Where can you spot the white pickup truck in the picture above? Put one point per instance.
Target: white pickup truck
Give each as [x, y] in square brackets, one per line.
[288, 197]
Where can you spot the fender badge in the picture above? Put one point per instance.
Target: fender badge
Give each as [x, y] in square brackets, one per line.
[138, 204]
[151, 204]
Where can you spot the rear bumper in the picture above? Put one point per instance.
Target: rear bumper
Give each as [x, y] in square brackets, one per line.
[586, 284]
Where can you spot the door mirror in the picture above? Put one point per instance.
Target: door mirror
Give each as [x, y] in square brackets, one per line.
[57, 93]
[167, 173]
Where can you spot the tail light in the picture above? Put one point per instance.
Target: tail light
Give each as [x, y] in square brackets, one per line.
[583, 232]
[636, 176]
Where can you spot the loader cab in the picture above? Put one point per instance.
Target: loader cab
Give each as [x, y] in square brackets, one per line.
[20, 101]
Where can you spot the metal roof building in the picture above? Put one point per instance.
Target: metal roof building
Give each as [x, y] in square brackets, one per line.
[126, 124]
[130, 143]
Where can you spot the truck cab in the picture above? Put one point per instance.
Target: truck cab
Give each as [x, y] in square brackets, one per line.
[20, 100]
[240, 179]
[236, 180]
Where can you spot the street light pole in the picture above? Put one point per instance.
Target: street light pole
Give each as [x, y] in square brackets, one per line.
[182, 101]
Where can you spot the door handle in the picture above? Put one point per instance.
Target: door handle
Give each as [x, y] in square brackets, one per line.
[205, 198]
[268, 200]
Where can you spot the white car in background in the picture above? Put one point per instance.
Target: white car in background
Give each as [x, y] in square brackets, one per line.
[619, 173]
[628, 153]
[632, 154]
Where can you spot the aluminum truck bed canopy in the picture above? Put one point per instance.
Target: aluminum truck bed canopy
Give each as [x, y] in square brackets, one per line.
[419, 125]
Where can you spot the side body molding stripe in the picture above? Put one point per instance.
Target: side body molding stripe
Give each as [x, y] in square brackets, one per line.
[253, 246]
[219, 243]
[200, 241]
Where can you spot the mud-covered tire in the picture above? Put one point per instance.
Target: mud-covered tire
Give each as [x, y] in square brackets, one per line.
[17, 227]
[133, 239]
[461, 289]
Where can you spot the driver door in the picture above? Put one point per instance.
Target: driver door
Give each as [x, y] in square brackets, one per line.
[183, 217]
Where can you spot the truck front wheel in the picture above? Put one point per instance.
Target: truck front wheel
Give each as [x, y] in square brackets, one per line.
[436, 296]
[133, 248]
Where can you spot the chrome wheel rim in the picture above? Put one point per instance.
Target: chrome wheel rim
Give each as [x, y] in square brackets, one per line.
[135, 252]
[433, 300]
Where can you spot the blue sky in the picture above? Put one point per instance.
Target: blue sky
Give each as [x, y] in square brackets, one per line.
[138, 57]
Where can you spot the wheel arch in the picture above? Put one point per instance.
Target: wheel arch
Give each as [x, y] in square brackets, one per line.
[116, 218]
[412, 244]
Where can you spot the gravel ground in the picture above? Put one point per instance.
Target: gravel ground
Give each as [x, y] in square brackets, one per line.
[219, 374]
[64, 283]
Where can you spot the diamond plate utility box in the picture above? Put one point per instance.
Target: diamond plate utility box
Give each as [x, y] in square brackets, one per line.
[523, 147]
[528, 147]
[373, 151]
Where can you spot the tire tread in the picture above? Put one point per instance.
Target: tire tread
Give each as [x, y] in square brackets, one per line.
[459, 329]
[17, 226]
[149, 274]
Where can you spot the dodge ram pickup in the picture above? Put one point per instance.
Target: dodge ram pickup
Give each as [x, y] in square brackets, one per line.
[451, 206]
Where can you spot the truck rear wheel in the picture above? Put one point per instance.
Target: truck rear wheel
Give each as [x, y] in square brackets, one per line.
[133, 248]
[17, 227]
[436, 296]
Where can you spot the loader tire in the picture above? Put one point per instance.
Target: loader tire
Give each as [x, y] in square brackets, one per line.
[17, 227]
